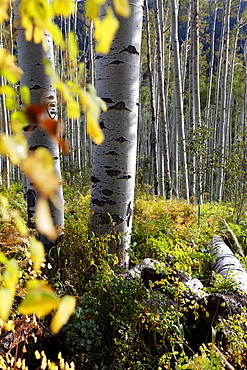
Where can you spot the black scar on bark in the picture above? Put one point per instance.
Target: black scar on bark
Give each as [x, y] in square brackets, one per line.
[102, 124]
[112, 152]
[117, 219]
[128, 214]
[119, 106]
[31, 201]
[130, 49]
[108, 100]
[127, 177]
[113, 173]
[94, 180]
[121, 139]
[101, 203]
[34, 147]
[117, 62]
[107, 192]
[36, 87]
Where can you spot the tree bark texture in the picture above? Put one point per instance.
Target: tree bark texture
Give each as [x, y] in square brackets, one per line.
[178, 93]
[226, 264]
[30, 59]
[114, 162]
[162, 102]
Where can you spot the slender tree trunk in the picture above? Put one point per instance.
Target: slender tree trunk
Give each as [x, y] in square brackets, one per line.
[179, 106]
[114, 162]
[211, 144]
[223, 106]
[152, 103]
[162, 104]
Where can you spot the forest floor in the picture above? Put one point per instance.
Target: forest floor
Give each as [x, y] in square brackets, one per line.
[146, 318]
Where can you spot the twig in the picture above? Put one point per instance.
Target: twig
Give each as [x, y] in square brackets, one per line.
[235, 240]
[227, 363]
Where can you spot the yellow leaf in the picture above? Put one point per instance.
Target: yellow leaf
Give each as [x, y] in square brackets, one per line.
[73, 109]
[38, 35]
[25, 94]
[4, 210]
[18, 121]
[13, 146]
[56, 33]
[94, 130]
[40, 299]
[44, 220]
[37, 252]
[63, 7]
[10, 276]
[4, 11]
[105, 30]
[92, 104]
[72, 47]
[92, 8]
[65, 309]
[122, 7]
[3, 258]
[20, 224]
[8, 67]
[6, 301]
[10, 103]
[39, 168]
[7, 90]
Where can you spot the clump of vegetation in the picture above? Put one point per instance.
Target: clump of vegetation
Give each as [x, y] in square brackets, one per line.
[120, 322]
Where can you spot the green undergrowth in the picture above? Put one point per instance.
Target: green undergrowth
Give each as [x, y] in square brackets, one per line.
[120, 323]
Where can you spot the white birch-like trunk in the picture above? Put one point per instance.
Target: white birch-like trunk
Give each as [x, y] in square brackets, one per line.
[223, 106]
[226, 264]
[152, 103]
[114, 161]
[162, 103]
[211, 143]
[178, 92]
[30, 59]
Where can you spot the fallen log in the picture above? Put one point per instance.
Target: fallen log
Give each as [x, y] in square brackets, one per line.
[226, 264]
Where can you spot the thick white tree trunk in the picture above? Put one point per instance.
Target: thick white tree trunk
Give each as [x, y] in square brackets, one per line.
[114, 162]
[30, 59]
[226, 264]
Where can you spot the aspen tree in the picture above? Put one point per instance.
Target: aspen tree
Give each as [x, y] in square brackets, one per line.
[30, 59]
[223, 101]
[162, 103]
[178, 93]
[114, 161]
[152, 104]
